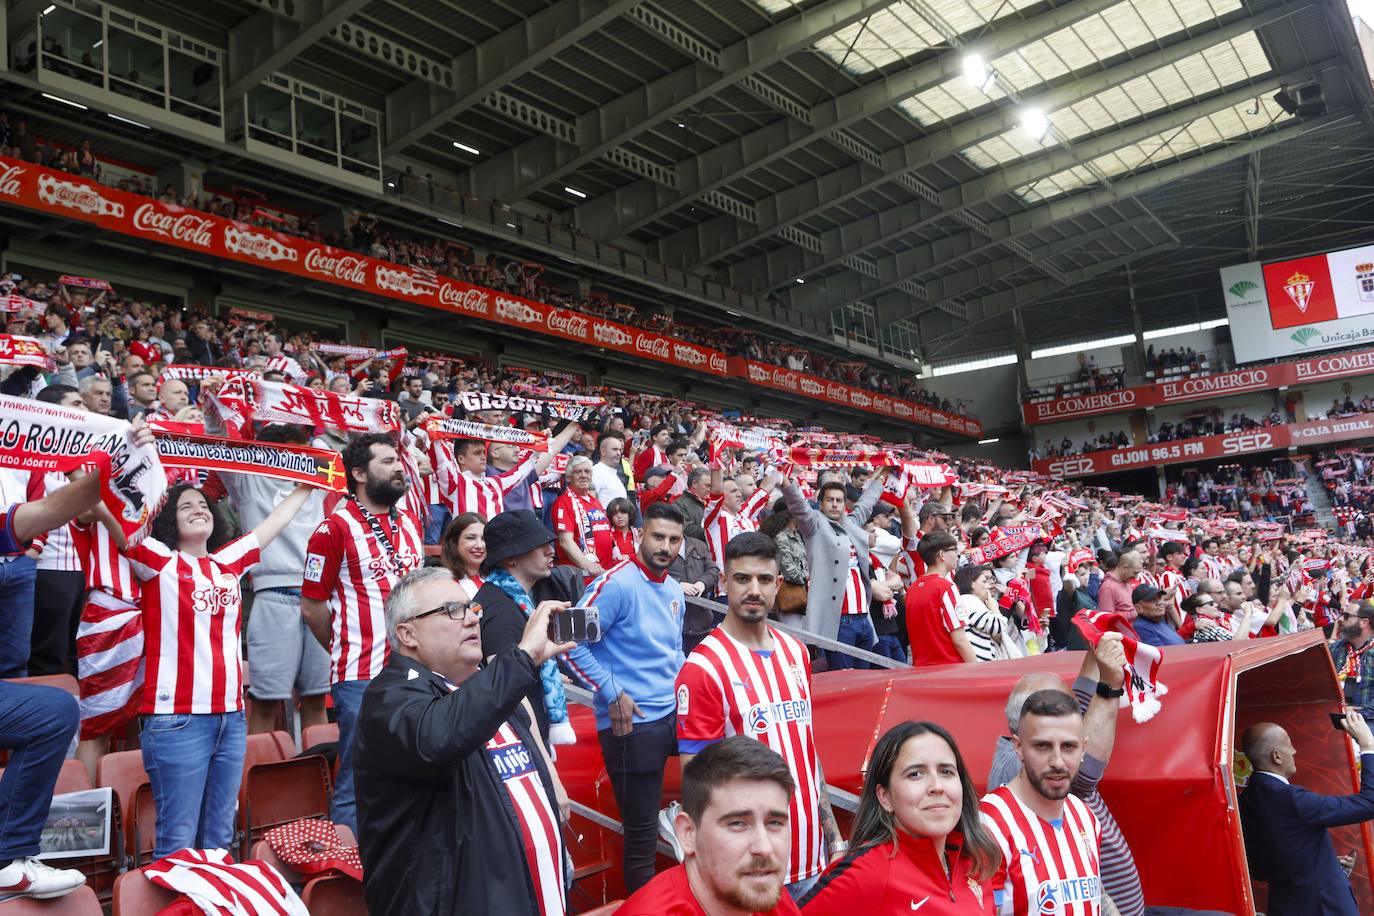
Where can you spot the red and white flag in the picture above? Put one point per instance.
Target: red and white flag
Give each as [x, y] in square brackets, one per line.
[219, 887]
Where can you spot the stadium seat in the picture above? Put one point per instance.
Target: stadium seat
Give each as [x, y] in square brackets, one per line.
[80, 902]
[265, 747]
[281, 791]
[62, 681]
[135, 895]
[123, 772]
[72, 778]
[319, 734]
[285, 743]
[334, 895]
[142, 829]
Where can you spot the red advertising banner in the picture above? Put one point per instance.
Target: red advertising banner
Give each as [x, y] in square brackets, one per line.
[1184, 450]
[1218, 385]
[1339, 429]
[811, 386]
[27, 185]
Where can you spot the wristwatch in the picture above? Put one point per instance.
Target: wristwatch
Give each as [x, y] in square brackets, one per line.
[1109, 693]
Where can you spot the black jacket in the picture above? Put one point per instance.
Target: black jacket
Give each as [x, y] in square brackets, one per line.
[503, 624]
[436, 828]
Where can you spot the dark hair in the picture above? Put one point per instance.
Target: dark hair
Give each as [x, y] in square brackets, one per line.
[610, 434]
[875, 825]
[739, 757]
[448, 542]
[621, 504]
[970, 513]
[976, 532]
[1192, 602]
[751, 544]
[1107, 560]
[774, 523]
[665, 511]
[463, 446]
[1238, 576]
[1050, 704]
[357, 455]
[674, 445]
[660, 428]
[53, 394]
[1189, 567]
[827, 486]
[933, 544]
[1169, 548]
[965, 576]
[1208, 540]
[291, 433]
[164, 525]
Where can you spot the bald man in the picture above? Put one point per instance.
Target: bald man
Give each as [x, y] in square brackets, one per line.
[1285, 826]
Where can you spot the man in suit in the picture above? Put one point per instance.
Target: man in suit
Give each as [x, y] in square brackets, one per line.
[1285, 825]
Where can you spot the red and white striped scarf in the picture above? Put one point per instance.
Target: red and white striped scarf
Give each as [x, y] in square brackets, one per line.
[451, 428]
[219, 887]
[244, 399]
[1143, 661]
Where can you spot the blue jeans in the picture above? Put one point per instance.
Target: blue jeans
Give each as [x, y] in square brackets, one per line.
[855, 630]
[16, 615]
[36, 726]
[439, 517]
[195, 766]
[348, 697]
[889, 646]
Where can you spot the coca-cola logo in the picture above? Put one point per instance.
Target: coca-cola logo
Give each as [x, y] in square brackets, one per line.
[469, 299]
[346, 268]
[403, 282]
[860, 399]
[901, 408]
[256, 245]
[9, 180]
[685, 353]
[836, 392]
[922, 414]
[517, 311]
[82, 198]
[569, 323]
[191, 228]
[610, 334]
[718, 363]
[882, 405]
[653, 345]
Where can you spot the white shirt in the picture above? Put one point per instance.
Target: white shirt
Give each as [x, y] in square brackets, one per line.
[606, 483]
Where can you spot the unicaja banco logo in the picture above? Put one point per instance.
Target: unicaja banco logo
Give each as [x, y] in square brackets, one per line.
[1242, 288]
[1302, 335]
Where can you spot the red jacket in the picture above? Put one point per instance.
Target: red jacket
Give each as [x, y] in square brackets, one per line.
[670, 894]
[885, 882]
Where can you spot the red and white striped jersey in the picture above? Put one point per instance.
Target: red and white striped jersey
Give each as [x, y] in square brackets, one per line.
[1046, 867]
[516, 767]
[462, 491]
[192, 612]
[721, 525]
[1171, 578]
[724, 689]
[855, 593]
[917, 565]
[753, 506]
[346, 567]
[59, 551]
[287, 366]
[107, 569]
[219, 885]
[1212, 567]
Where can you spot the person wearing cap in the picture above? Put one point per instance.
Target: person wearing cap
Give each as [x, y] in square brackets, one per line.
[459, 810]
[1151, 623]
[518, 574]
[1353, 659]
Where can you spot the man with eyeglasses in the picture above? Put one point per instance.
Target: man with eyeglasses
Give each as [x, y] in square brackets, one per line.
[934, 623]
[459, 807]
[1354, 662]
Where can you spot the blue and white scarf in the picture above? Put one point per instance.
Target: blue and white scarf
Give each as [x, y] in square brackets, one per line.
[555, 700]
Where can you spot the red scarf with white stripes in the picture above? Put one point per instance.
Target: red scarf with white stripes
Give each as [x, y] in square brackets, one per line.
[1143, 661]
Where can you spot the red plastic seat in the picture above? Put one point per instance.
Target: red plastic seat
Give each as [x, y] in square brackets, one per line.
[334, 895]
[262, 852]
[281, 791]
[80, 902]
[135, 895]
[142, 826]
[319, 734]
[264, 747]
[286, 745]
[123, 772]
[73, 777]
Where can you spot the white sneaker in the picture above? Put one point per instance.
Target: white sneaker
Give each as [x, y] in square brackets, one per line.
[666, 817]
[31, 878]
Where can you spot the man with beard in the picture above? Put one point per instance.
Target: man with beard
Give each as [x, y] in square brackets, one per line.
[748, 678]
[632, 671]
[1353, 660]
[734, 831]
[353, 560]
[1049, 837]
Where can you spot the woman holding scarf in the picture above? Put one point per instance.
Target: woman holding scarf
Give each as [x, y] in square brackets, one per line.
[192, 729]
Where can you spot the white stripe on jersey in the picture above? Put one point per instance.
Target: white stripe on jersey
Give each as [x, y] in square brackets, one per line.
[721, 526]
[539, 825]
[855, 599]
[1045, 870]
[107, 569]
[770, 700]
[60, 551]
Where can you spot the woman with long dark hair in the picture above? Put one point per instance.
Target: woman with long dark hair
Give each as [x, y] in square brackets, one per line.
[462, 550]
[918, 838]
[193, 730]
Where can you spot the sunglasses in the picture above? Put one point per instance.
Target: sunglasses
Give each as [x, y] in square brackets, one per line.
[455, 610]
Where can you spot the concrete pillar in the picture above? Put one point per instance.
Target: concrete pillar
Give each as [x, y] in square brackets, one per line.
[187, 177]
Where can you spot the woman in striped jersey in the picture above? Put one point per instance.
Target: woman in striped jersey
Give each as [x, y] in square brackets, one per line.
[919, 844]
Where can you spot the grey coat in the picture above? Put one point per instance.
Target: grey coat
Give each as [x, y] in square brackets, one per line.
[827, 554]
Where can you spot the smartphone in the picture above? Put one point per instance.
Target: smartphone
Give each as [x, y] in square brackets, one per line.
[1338, 721]
[576, 624]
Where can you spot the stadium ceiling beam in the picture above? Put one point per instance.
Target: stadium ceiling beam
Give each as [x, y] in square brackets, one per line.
[519, 172]
[1252, 205]
[718, 167]
[852, 239]
[948, 330]
[419, 108]
[688, 250]
[838, 289]
[264, 43]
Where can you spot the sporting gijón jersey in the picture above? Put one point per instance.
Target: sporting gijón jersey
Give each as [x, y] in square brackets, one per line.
[1047, 868]
[725, 689]
[518, 771]
[348, 566]
[192, 610]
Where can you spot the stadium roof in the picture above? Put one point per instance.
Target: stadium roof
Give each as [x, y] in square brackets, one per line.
[969, 166]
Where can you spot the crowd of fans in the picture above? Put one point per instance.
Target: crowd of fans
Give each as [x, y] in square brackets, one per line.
[1212, 423]
[1113, 439]
[366, 235]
